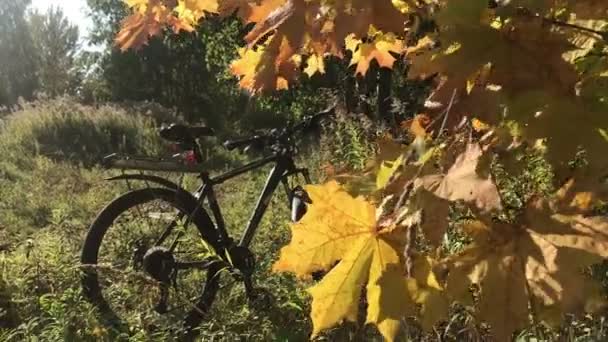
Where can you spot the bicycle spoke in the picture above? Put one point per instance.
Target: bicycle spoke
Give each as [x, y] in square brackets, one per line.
[135, 232]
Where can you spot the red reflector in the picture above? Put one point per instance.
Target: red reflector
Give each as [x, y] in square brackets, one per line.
[190, 157]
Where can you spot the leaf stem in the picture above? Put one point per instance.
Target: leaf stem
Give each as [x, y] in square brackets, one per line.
[533, 311]
[447, 113]
[603, 35]
[408, 188]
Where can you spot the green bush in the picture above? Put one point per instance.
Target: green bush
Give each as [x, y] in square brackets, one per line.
[62, 129]
[348, 142]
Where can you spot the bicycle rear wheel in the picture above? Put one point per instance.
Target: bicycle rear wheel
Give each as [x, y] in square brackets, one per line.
[135, 275]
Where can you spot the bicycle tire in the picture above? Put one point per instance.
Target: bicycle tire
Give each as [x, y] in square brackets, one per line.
[180, 200]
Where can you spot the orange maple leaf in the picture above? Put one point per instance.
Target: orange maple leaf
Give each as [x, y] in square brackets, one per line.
[250, 11]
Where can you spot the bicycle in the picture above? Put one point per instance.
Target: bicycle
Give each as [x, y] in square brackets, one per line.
[158, 260]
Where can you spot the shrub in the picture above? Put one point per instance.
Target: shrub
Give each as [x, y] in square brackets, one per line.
[62, 129]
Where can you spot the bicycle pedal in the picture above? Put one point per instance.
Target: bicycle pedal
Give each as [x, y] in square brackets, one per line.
[161, 308]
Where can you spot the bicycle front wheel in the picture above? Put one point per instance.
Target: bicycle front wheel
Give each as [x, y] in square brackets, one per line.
[149, 260]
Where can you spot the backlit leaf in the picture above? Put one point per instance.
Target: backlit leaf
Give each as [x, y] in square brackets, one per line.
[534, 258]
[340, 228]
[380, 48]
[463, 183]
[386, 172]
[314, 64]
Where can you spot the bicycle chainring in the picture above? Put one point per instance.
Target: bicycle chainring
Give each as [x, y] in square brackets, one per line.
[242, 259]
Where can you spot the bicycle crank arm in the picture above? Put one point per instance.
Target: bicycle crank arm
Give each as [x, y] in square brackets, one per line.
[162, 306]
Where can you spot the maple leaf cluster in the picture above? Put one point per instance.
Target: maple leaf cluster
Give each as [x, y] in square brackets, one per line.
[540, 69]
[288, 35]
[530, 266]
[538, 65]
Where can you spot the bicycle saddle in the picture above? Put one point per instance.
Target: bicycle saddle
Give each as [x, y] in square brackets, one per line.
[182, 133]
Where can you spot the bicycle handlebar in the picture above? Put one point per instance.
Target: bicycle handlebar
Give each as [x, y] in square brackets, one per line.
[280, 136]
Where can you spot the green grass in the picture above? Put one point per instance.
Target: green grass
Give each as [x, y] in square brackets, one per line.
[39, 278]
[51, 191]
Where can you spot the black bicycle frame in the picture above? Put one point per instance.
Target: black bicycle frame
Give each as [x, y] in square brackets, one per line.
[284, 168]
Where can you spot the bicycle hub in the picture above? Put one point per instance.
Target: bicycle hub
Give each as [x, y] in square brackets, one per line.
[159, 263]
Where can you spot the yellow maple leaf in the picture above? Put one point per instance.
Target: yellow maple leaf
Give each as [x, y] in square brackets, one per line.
[314, 64]
[244, 66]
[136, 30]
[471, 43]
[387, 170]
[435, 216]
[568, 124]
[151, 16]
[288, 28]
[258, 70]
[343, 229]
[250, 11]
[428, 293]
[380, 49]
[288, 20]
[334, 223]
[191, 11]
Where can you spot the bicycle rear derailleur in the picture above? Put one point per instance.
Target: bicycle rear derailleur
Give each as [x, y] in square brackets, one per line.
[160, 264]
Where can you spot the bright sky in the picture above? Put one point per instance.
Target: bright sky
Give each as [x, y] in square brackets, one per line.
[74, 10]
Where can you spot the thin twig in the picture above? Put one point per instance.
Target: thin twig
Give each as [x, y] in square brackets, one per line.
[447, 113]
[408, 188]
[526, 12]
[409, 185]
[440, 116]
[603, 35]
